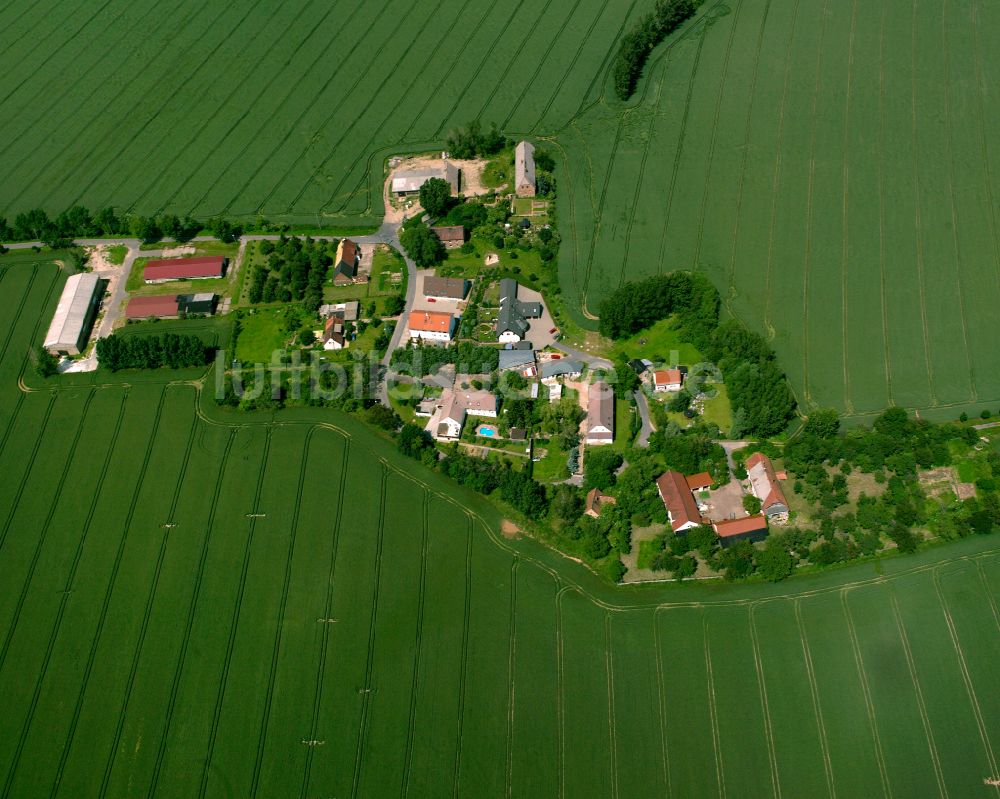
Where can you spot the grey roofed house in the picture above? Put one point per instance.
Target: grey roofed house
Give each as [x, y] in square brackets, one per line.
[514, 313]
[348, 311]
[524, 169]
[516, 359]
[600, 413]
[448, 288]
[74, 314]
[410, 181]
[560, 368]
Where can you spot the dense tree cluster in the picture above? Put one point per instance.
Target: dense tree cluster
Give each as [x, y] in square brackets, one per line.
[421, 244]
[296, 270]
[435, 197]
[637, 305]
[151, 352]
[469, 359]
[638, 43]
[472, 140]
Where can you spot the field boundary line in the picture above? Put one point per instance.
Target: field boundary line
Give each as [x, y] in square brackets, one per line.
[661, 704]
[192, 609]
[776, 179]
[44, 531]
[989, 592]
[373, 621]
[859, 663]
[147, 612]
[817, 702]
[404, 788]
[713, 711]
[924, 718]
[887, 347]
[237, 607]
[560, 699]
[845, 214]
[765, 707]
[96, 639]
[916, 206]
[511, 662]
[463, 682]
[966, 676]
[609, 665]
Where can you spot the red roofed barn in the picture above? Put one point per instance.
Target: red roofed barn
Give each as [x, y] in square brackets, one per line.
[765, 486]
[753, 528]
[164, 270]
[679, 501]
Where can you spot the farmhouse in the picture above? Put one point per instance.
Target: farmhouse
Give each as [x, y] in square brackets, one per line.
[345, 265]
[668, 380]
[454, 406]
[512, 321]
[753, 528]
[333, 334]
[348, 311]
[600, 420]
[452, 236]
[408, 182]
[445, 288]
[524, 169]
[679, 501]
[170, 306]
[165, 270]
[699, 482]
[560, 367]
[431, 325]
[764, 485]
[595, 500]
[74, 316]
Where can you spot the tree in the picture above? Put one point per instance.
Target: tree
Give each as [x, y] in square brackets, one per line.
[422, 245]
[600, 465]
[544, 161]
[307, 338]
[737, 560]
[435, 196]
[394, 305]
[751, 504]
[46, 364]
[381, 416]
[566, 503]
[775, 562]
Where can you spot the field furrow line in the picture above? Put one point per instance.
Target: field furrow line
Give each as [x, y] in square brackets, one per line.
[609, 666]
[103, 110]
[713, 710]
[25, 8]
[602, 73]
[921, 706]
[44, 529]
[776, 179]
[96, 640]
[150, 601]
[806, 394]
[764, 705]
[560, 698]
[222, 104]
[370, 102]
[824, 742]
[511, 661]
[918, 228]
[661, 705]
[859, 662]
[209, 57]
[59, 99]
[366, 688]
[845, 188]
[703, 212]
[463, 673]
[880, 175]
[949, 144]
[17, 318]
[161, 749]
[327, 611]
[64, 599]
[417, 645]
[30, 462]
[988, 591]
[981, 113]
[234, 624]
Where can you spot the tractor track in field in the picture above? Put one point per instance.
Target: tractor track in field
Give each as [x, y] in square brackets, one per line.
[463, 672]
[26, 7]
[234, 624]
[713, 709]
[886, 345]
[17, 317]
[370, 660]
[661, 703]
[64, 598]
[921, 706]
[845, 214]
[981, 113]
[989, 593]
[249, 106]
[404, 786]
[764, 704]
[147, 612]
[560, 699]
[609, 667]
[44, 529]
[817, 703]
[511, 664]
[161, 748]
[96, 639]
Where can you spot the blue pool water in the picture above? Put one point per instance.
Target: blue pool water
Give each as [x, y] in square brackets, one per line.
[486, 432]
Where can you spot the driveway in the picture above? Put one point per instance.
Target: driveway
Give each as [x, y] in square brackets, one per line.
[646, 429]
[593, 361]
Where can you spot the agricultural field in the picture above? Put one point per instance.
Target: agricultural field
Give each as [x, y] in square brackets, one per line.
[186, 610]
[831, 166]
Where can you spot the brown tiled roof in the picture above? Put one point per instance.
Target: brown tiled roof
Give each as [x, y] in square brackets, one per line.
[143, 307]
[452, 287]
[450, 233]
[348, 252]
[182, 268]
[765, 481]
[431, 321]
[677, 498]
[667, 376]
[699, 480]
[748, 524]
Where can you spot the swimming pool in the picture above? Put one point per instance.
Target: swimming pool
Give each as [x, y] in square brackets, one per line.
[486, 431]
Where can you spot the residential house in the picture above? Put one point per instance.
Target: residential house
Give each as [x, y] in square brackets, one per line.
[699, 482]
[521, 360]
[753, 528]
[600, 421]
[524, 169]
[679, 501]
[453, 408]
[333, 334]
[452, 236]
[764, 485]
[408, 182]
[668, 380]
[345, 265]
[431, 326]
[445, 288]
[347, 311]
[512, 321]
[559, 367]
[595, 500]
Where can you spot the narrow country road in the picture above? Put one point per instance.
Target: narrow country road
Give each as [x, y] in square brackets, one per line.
[647, 428]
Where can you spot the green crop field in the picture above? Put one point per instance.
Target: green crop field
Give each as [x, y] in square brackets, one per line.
[322, 617]
[830, 165]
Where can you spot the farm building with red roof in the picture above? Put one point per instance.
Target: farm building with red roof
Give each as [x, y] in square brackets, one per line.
[753, 528]
[162, 307]
[679, 501]
[164, 270]
[765, 486]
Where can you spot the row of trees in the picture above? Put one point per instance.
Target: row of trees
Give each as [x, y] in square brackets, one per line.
[79, 222]
[638, 43]
[469, 359]
[295, 271]
[117, 352]
[472, 140]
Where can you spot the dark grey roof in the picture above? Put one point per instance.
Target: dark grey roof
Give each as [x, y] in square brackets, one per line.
[564, 366]
[512, 359]
[514, 313]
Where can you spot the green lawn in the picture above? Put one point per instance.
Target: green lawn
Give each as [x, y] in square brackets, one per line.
[116, 254]
[262, 332]
[659, 343]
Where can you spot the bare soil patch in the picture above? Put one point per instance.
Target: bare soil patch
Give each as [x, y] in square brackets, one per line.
[509, 529]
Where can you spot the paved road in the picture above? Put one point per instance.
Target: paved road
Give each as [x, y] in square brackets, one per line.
[647, 428]
[593, 361]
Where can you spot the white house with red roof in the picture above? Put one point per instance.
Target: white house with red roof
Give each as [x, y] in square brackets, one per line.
[764, 485]
[668, 380]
